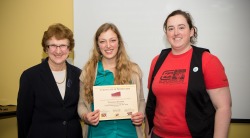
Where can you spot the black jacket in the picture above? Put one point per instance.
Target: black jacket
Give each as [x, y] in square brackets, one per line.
[41, 111]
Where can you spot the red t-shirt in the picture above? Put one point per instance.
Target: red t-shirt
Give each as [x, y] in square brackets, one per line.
[170, 88]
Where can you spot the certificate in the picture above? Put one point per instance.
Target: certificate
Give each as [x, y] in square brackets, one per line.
[115, 101]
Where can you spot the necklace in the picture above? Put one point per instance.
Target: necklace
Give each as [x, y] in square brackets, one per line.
[63, 79]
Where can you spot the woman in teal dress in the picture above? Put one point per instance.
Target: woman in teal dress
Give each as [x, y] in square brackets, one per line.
[109, 64]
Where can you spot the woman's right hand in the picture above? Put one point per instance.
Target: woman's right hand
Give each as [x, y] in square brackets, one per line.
[92, 118]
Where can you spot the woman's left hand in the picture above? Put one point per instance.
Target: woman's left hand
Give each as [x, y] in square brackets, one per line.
[137, 118]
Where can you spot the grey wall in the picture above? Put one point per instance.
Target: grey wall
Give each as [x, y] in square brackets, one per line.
[223, 27]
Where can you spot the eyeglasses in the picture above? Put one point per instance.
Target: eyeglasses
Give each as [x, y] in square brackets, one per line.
[54, 47]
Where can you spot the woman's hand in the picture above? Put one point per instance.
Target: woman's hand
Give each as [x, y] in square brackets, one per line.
[137, 118]
[92, 118]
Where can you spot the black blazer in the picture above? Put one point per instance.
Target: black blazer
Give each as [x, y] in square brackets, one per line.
[41, 111]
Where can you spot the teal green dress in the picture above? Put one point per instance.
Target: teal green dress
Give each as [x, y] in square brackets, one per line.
[123, 128]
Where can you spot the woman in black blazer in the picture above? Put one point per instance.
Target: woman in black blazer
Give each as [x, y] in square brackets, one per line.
[49, 92]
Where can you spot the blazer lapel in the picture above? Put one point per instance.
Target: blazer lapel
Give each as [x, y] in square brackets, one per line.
[48, 79]
[69, 82]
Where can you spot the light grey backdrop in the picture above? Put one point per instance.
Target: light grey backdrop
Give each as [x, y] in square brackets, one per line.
[223, 27]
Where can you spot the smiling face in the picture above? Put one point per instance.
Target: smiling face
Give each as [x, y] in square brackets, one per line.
[178, 33]
[57, 52]
[108, 45]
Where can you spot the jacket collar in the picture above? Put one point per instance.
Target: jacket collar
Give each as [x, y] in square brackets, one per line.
[48, 79]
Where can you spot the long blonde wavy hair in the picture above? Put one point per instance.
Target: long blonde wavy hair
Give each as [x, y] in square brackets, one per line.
[123, 64]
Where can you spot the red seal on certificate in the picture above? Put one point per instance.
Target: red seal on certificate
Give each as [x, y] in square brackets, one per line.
[116, 94]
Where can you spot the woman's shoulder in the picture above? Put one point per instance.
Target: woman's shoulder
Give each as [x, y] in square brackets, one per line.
[136, 69]
[33, 69]
[74, 68]
[153, 62]
[207, 56]
[135, 66]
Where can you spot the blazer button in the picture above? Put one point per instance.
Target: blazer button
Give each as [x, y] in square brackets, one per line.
[64, 123]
